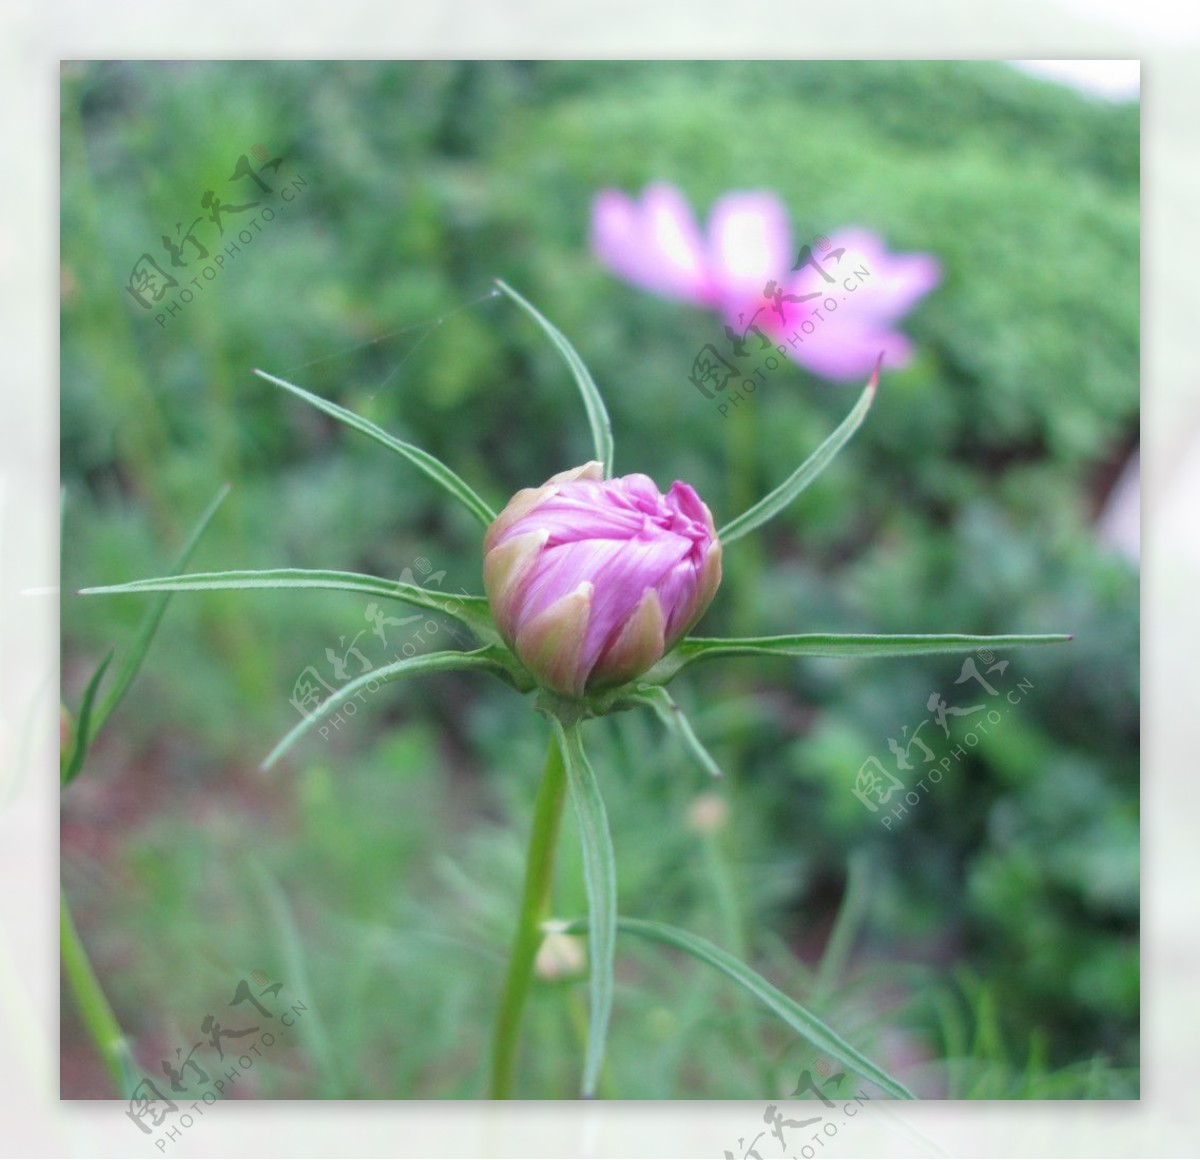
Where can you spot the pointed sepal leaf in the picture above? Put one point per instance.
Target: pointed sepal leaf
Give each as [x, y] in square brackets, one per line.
[429, 464]
[491, 659]
[471, 611]
[593, 403]
[774, 502]
[828, 644]
[674, 718]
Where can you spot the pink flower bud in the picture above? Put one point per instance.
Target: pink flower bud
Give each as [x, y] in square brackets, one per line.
[591, 580]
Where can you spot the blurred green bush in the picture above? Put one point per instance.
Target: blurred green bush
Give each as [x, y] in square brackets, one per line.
[966, 504]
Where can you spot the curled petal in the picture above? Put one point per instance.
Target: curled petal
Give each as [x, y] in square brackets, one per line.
[505, 570]
[593, 469]
[516, 509]
[638, 645]
[551, 643]
[710, 581]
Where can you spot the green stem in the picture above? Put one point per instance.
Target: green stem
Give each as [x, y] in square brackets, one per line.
[98, 1016]
[535, 907]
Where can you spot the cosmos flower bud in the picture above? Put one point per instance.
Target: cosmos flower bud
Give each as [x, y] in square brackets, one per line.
[591, 580]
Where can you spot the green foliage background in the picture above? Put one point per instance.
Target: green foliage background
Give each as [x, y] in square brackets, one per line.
[989, 940]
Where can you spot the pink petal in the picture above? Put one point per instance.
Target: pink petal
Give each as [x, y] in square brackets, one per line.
[893, 283]
[654, 244]
[749, 240]
[848, 351]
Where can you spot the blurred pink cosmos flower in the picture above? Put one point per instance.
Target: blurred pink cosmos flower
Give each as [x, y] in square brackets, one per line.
[591, 580]
[832, 309]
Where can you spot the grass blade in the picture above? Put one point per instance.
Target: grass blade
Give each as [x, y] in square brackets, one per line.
[429, 464]
[291, 946]
[486, 659]
[773, 503]
[825, 644]
[600, 874]
[149, 623]
[597, 414]
[474, 611]
[102, 1026]
[85, 728]
[845, 929]
[796, 1017]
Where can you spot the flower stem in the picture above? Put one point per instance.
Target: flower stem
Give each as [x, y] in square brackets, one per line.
[98, 1016]
[535, 907]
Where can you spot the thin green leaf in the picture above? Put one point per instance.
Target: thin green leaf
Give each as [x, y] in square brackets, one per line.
[598, 420]
[98, 1018]
[845, 929]
[772, 504]
[600, 876]
[85, 730]
[150, 621]
[429, 464]
[802, 1021]
[473, 611]
[825, 644]
[489, 659]
[299, 982]
[674, 718]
